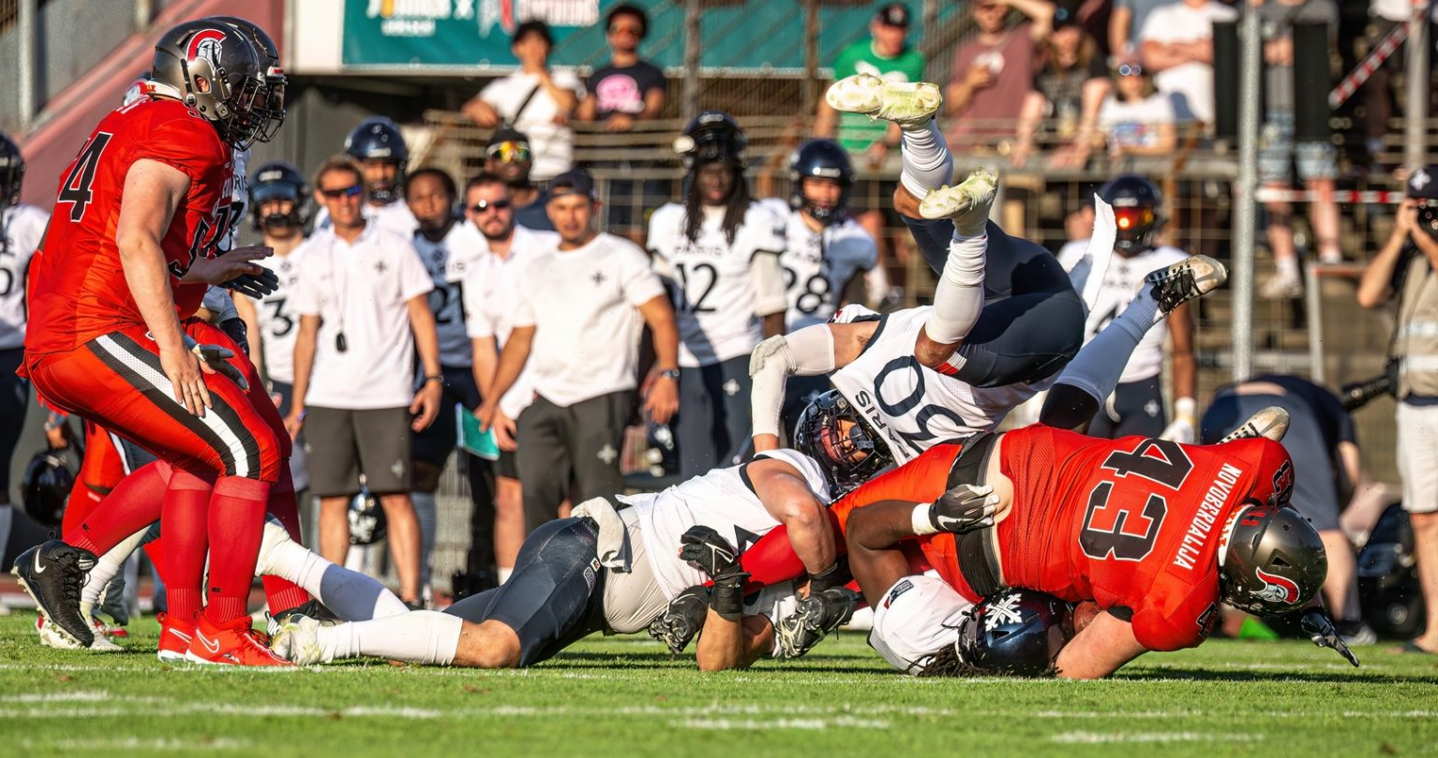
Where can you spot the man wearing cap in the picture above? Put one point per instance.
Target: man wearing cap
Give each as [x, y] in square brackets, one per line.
[508, 156]
[533, 99]
[577, 315]
[1403, 272]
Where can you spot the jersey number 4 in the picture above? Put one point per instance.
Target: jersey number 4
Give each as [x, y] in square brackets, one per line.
[1126, 529]
[76, 187]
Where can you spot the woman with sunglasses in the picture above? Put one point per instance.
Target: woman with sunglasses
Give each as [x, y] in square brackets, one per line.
[1137, 119]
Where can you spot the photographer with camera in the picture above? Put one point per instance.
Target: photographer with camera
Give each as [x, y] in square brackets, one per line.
[1404, 271]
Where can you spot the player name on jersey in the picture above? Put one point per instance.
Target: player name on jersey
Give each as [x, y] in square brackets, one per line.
[1190, 548]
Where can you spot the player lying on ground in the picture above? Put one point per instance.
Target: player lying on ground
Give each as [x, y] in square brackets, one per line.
[613, 571]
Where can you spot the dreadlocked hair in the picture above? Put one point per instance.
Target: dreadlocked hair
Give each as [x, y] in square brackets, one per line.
[734, 210]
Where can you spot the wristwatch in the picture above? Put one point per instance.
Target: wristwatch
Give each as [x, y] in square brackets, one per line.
[435, 378]
[670, 373]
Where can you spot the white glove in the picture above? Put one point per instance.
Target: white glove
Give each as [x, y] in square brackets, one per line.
[1184, 429]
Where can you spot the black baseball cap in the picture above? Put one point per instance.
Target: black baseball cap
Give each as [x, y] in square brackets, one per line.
[506, 134]
[893, 14]
[574, 182]
[1423, 183]
[532, 26]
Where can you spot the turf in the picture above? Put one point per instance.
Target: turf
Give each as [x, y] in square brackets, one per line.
[626, 697]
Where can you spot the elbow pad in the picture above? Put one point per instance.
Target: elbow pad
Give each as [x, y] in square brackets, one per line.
[807, 352]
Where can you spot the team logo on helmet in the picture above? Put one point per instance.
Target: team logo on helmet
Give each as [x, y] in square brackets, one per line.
[1283, 484]
[206, 45]
[1276, 589]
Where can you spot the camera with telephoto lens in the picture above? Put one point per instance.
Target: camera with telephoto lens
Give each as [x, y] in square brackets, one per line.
[1359, 394]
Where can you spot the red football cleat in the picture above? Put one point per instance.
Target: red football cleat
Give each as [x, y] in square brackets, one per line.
[233, 644]
[175, 637]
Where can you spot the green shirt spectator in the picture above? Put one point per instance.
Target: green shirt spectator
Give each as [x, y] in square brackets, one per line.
[885, 54]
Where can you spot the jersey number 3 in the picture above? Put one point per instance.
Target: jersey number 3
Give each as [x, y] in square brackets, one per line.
[1126, 529]
[76, 187]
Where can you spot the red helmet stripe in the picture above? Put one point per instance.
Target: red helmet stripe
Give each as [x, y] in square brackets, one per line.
[1288, 586]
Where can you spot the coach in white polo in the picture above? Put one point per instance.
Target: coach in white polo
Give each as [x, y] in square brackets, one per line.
[576, 323]
[362, 298]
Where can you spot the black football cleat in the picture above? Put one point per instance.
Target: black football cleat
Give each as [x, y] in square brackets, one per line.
[816, 617]
[683, 619]
[52, 573]
[312, 608]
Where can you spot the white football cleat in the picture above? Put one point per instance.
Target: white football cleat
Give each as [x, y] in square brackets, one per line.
[905, 103]
[1270, 422]
[967, 203]
[1189, 279]
[297, 641]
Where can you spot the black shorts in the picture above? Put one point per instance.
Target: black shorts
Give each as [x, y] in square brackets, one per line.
[555, 596]
[508, 465]
[1134, 408]
[343, 443]
[14, 397]
[434, 444]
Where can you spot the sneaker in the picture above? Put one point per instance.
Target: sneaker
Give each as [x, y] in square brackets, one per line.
[1189, 279]
[1282, 287]
[298, 641]
[176, 634]
[52, 573]
[311, 608]
[233, 644]
[817, 616]
[1270, 422]
[904, 103]
[682, 619]
[967, 204]
[1356, 632]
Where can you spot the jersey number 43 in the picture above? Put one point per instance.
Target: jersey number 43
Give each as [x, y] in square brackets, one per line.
[1123, 516]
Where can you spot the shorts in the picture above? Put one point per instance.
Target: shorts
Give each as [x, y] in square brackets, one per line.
[1277, 154]
[918, 618]
[633, 599]
[1417, 450]
[14, 397]
[373, 442]
[875, 195]
[508, 465]
[1133, 408]
[434, 444]
[712, 428]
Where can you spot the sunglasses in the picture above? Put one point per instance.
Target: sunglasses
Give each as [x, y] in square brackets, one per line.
[1130, 69]
[484, 205]
[354, 190]
[617, 29]
[509, 152]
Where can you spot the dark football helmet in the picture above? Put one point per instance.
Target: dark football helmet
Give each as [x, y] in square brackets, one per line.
[832, 433]
[366, 517]
[712, 137]
[233, 72]
[378, 139]
[822, 159]
[271, 110]
[278, 180]
[46, 486]
[1016, 633]
[12, 171]
[1273, 562]
[1136, 210]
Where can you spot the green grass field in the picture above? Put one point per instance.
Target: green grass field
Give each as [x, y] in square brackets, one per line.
[626, 697]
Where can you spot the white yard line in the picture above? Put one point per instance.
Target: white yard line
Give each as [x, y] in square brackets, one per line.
[1104, 738]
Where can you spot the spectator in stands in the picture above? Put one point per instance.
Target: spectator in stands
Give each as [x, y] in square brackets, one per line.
[1135, 118]
[886, 54]
[1317, 160]
[1069, 87]
[364, 311]
[1126, 22]
[489, 289]
[533, 100]
[993, 73]
[576, 313]
[1092, 16]
[508, 156]
[625, 90]
[1378, 98]
[1404, 269]
[1324, 448]
[1177, 47]
[447, 247]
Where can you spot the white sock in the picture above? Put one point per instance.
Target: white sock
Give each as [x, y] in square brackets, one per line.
[504, 573]
[959, 298]
[1099, 364]
[418, 637]
[1287, 267]
[926, 162]
[107, 567]
[426, 510]
[349, 594]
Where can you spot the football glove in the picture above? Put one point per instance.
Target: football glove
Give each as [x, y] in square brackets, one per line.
[703, 548]
[254, 286]
[217, 358]
[964, 508]
[1184, 429]
[1318, 625]
[683, 619]
[234, 328]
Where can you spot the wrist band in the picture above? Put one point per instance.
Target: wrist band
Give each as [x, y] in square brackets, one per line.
[921, 521]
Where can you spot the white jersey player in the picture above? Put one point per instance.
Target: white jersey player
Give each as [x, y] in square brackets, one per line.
[721, 251]
[379, 148]
[22, 229]
[1137, 405]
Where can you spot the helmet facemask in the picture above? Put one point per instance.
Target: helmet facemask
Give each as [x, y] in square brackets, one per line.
[833, 434]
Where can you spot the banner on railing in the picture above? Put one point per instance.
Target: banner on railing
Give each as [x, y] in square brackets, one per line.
[451, 32]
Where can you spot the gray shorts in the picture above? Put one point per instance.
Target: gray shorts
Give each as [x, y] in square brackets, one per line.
[1417, 450]
[343, 444]
[633, 600]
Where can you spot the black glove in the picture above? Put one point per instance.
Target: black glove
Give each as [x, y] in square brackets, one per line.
[218, 359]
[254, 286]
[1318, 625]
[964, 508]
[834, 576]
[234, 328]
[703, 548]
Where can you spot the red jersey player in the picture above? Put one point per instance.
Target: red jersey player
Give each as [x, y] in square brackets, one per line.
[128, 257]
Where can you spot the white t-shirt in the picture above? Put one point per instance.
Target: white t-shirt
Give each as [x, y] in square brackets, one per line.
[1135, 124]
[395, 217]
[717, 305]
[362, 290]
[552, 144]
[489, 293]
[447, 261]
[720, 499]
[1121, 285]
[1395, 10]
[817, 265]
[1177, 22]
[914, 407]
[278, 321]
[582, 304]
[24, 230]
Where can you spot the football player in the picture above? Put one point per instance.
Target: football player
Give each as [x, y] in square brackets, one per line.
[142, 208]
[824, 250]
[1137, 405]
[379, 148]
[720, 250]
